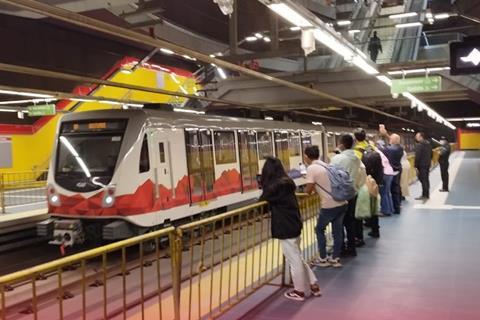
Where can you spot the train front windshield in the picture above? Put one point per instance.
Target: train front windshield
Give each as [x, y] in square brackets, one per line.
[87, 154]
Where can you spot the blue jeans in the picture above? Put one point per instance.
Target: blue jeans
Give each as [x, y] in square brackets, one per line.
[386, 202]
[334, 216]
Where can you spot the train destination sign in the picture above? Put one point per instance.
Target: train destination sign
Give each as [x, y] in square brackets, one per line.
[41, 110]
[420, 84]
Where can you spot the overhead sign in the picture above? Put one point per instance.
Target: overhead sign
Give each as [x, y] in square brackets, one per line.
[465, 56]
[41, 110]
[420, 84]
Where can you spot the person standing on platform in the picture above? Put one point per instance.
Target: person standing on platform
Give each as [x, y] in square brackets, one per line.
[372, 160]
[423, 161]
[443, 161]
[331, 212]
[348, 161]
[279, 191]
[374, 45]
[394, 153]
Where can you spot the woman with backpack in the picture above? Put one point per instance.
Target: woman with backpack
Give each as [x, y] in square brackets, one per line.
[286, 225]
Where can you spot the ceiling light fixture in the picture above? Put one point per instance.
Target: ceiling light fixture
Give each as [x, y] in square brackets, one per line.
[473, 125]
[251, 39]
[189, 58]
[385, 80]
[188, 111]
[295, 28]
[364, 65]
[166, 51]
[403, 15]
[441, 16]
[221, 73]
[26, 94]
[408, 25]
[267, 39]
[290, 15]
[269, 118]
[258, 35]
[353, 31]
[464, 119]
[344, 22]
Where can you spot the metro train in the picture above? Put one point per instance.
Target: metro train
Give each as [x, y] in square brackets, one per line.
[118, 173]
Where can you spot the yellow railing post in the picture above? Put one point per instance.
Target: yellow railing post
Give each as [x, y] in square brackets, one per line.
[176, 246]
[2, 193]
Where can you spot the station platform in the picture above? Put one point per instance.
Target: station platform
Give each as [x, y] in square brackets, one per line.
[424, 266]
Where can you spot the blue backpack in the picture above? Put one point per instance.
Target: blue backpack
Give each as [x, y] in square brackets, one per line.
[340, 182]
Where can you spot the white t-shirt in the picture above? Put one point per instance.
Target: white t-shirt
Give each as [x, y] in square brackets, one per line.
[317, 174]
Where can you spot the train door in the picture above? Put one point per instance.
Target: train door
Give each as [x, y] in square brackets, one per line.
[281, 148]
[201, 170]
[247, 145]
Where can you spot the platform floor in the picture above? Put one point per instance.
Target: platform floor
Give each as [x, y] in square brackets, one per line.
[425, 265]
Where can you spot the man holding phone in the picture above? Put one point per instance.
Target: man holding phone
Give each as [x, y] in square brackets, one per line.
[394, 153]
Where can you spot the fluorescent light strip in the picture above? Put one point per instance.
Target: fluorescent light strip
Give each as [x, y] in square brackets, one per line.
[188, 111]
[27, 101]
[189, 58]
[267, 39]
[364, 65]
[473, 125]
[344, 22]
[385, 80]
[290, 15]
[403, 15]
[258, 35]
[442, 16]
[166, 51]
[269, 118]
[251, 39]
[295, 28]
[409, 25]
[464, 119]
[222, 73]
[353, 31]
[412, 71]
[430, 112]
[174, 78]
[26, 94]
[109, 102]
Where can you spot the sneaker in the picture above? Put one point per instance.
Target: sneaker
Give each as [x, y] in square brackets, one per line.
[321, 262]
[334, 262]
[295, 295]
[315, 289]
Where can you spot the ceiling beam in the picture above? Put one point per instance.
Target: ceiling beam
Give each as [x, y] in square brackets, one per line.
[130, 35]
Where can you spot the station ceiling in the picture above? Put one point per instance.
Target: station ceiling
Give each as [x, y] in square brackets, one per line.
[200, 25]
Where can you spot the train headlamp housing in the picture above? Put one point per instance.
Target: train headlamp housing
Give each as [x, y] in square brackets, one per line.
[109, 196]
[53, 197]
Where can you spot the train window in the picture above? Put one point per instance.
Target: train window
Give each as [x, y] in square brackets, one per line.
[294, 144]
[144, 156]
[161, 148]
[265, 146]
[281, 149]
[225, 151]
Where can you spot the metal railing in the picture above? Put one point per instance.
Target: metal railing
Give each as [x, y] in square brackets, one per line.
[197, 270]
[20, 188]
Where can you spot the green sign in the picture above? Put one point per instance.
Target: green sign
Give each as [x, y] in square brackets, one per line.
[41, 110]
[412, 85]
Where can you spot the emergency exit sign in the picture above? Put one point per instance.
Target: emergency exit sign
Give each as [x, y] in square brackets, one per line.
[41, 110]
[420, 84]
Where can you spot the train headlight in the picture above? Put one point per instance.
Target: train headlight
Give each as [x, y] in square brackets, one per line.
[109, 197]
[53, 197]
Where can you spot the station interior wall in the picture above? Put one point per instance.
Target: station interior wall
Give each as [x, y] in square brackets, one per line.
[31, 151]
[468, 139]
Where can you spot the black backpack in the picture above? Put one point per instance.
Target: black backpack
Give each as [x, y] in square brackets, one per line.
[373, 163]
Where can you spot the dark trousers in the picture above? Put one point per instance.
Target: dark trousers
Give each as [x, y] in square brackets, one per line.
[444, 173]
[371, 223]
[396, 191]
[349, 223]
[423, 176]
[373, 55]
